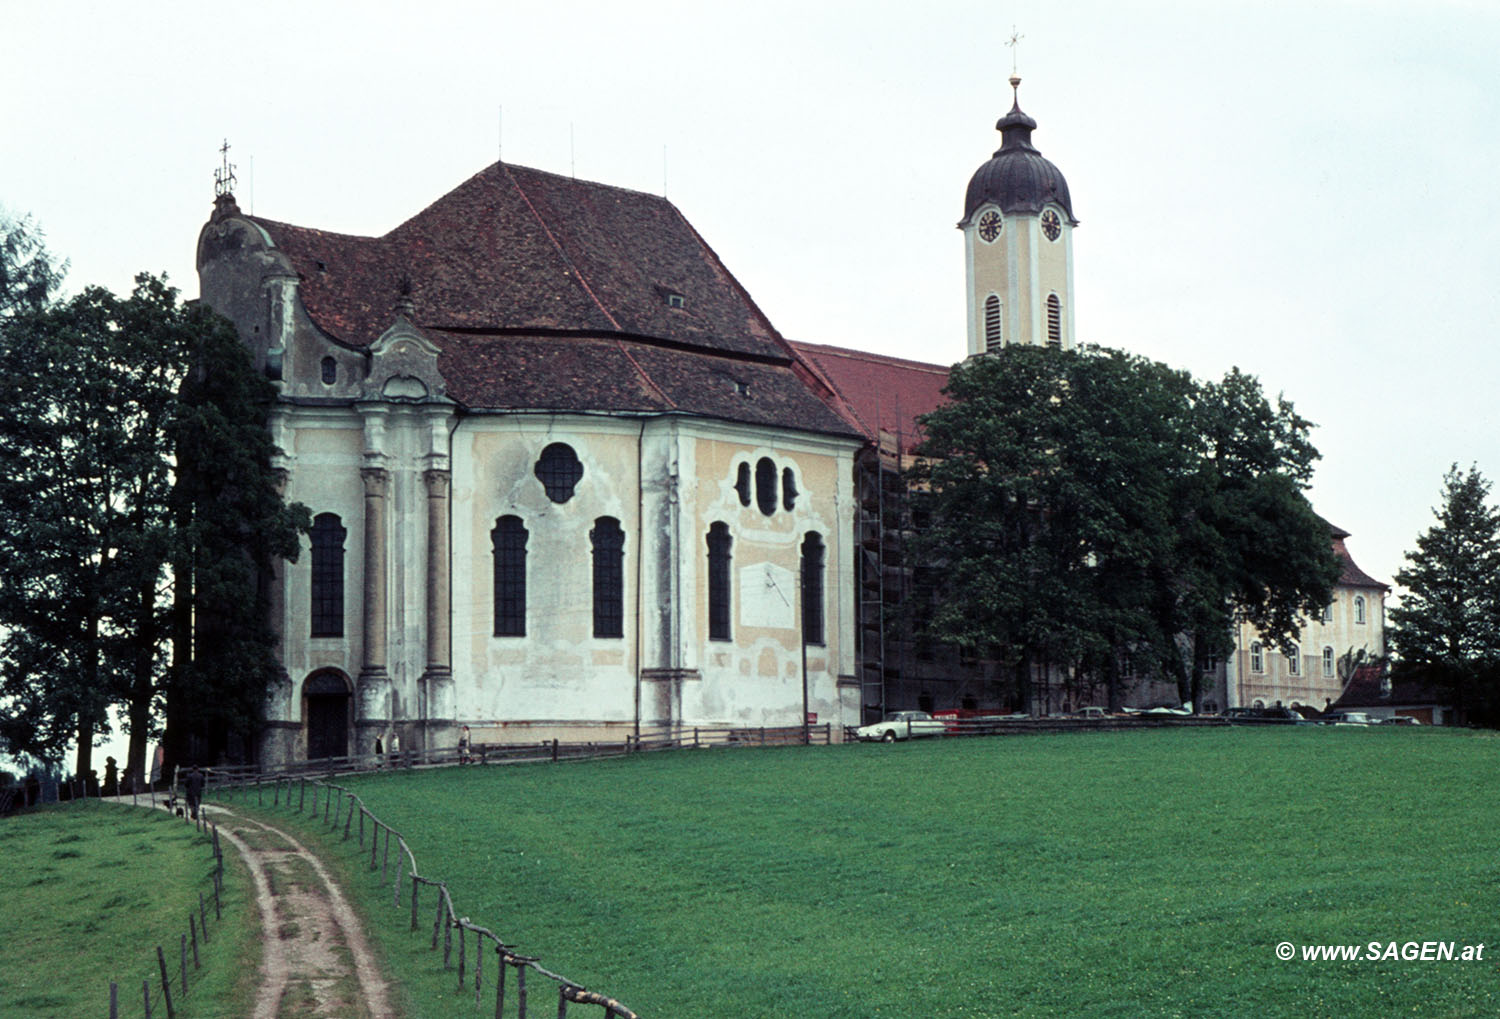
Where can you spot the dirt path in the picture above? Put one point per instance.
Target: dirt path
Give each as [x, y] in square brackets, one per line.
[317, 962]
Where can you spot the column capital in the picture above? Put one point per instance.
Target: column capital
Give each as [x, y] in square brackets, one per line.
[377, 481]
[438, 480]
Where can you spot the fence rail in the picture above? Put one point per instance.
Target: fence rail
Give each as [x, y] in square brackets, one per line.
[544, 750]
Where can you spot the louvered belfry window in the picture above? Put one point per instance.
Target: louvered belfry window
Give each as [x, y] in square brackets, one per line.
[1054, 321]
[993, 339]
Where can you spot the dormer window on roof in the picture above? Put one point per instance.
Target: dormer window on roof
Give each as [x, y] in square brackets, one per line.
[676, 300]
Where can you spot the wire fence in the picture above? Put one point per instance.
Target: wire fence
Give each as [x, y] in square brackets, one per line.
[339, 806]
[165, 989]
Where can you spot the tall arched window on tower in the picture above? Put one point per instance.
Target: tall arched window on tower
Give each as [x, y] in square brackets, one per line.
[1359, 609]
[509, 540]
[993, 339]
[327, 612]
[1054, 321]
[812, 588]
[719, 543]
[609, 577]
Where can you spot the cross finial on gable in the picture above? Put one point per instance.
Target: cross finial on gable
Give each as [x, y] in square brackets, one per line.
[224, 179]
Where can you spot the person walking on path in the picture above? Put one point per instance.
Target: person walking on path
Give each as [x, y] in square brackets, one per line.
[193, 786]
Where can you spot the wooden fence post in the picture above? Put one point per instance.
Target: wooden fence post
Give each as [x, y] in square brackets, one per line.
[463, 956]
[500, 981]
[114, 1000]
[413, 897]
[183, 985]
[437, 922]
[146, 996]
[445, 908]
[193, 929]
[203, 917]
[374, 836]
[166, 988]
[521, 991]
[301, 794]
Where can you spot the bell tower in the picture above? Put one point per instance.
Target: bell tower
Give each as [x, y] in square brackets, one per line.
[1018, 243]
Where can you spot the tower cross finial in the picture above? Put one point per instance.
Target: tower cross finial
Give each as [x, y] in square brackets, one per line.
[1014, 43]
[224, 179]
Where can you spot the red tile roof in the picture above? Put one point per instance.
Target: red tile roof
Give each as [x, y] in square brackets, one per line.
[884, 394]
[546, 292]
[1352, 575]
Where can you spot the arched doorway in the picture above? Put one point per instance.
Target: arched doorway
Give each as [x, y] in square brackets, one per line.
[327, 700]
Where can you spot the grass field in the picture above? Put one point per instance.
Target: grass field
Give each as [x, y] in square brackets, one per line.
[1112, 874]
[92, 889]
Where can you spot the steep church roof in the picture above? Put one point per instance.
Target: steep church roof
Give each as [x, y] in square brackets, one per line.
[885, 394]
[1018, 178]
[546, 292]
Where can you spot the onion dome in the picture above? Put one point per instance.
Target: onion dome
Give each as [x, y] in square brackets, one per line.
[1017, 177]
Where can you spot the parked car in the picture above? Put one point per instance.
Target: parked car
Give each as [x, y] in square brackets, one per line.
[1349, 718]
[1399, 720]
[902, 725]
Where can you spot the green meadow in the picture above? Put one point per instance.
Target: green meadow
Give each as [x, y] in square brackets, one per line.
[92, 889]
[1111, 874]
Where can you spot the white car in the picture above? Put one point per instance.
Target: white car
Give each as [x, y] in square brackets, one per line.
[902, 725]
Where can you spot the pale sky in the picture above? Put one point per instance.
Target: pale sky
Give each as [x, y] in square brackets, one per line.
[1304, 190]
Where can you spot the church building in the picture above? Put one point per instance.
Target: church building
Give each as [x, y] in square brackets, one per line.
[567, 480]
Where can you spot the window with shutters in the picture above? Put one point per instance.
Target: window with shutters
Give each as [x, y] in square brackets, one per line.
[993, 339]
[812, 588]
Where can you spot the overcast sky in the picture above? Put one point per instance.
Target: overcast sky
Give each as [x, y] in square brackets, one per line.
[1305, 190]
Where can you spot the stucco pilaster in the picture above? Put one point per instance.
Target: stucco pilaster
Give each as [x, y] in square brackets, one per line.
[439, 672]
[374, 681]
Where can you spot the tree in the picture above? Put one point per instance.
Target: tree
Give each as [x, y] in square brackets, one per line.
[28, 275]
[1446, 631]
[88, 385]
[1092, 506]
[231, 525]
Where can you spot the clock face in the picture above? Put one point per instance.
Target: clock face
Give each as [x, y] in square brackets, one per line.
[989, 226]
[1051, 225]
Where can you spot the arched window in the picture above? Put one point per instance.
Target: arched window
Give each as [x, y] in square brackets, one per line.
[1257, 658]
[1359, 609]
[327, 608]
[719, 543]
[993, 339]
[1054, 321]
[1294, 660]
[812, 588]
[1328, 661]
[742, 484]
[609, 577]
[765, 485]
[509, 541]
[788, 489]
[559, 471]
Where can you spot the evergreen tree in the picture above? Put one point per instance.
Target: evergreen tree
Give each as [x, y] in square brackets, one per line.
[231, 526]
[1446, 630]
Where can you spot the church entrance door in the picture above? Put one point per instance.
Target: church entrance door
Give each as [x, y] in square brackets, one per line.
[327, 716]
